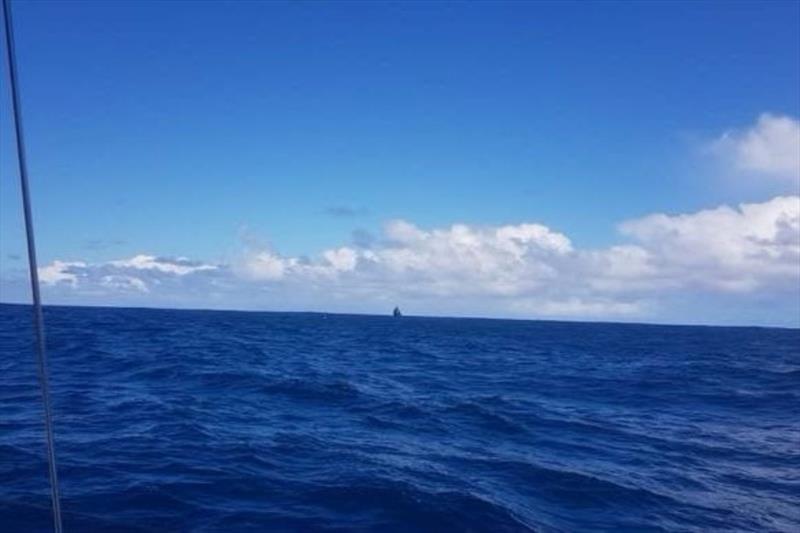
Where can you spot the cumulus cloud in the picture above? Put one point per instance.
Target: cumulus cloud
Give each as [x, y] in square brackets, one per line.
[725, 248]
[136, 274]
[525, 270]
[180, 266]
[118, 282]
[463, 259]
[61, 272]
[771, 147]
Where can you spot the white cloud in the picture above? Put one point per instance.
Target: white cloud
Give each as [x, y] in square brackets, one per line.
[179, 266]
[263, 266]
[512, 270]
[124, 283]
[266, 265]
[134, 275]
[60, 272]
[771, 147]
[724, 248]
[341, 259]
[461, 258]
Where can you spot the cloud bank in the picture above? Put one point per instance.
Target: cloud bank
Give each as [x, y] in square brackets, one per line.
[523, 270]
[727, 264]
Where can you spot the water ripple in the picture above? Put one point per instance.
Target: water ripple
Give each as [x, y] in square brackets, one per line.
[224, 421]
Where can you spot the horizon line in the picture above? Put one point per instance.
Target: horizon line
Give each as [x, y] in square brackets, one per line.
[389, 315]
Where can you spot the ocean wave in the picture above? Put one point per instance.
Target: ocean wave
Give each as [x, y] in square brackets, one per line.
[215, 421]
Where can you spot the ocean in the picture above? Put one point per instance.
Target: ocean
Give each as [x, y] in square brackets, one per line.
[207, 421]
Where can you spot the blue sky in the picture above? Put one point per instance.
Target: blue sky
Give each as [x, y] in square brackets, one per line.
[196, 129]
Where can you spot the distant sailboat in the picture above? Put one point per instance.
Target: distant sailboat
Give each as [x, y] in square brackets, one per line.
[396, 313]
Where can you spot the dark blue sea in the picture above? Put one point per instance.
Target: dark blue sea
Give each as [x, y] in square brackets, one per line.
[226, 421]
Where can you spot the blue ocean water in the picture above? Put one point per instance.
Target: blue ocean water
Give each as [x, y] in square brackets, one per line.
[224, 421]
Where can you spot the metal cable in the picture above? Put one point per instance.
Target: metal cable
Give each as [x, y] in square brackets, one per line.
[38, 319]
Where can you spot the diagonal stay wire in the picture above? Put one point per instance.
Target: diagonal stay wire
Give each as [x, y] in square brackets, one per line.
[38, 318]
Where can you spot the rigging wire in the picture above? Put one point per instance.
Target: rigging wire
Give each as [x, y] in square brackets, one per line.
[38, 318]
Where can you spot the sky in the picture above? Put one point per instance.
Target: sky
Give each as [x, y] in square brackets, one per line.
[582, 161]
